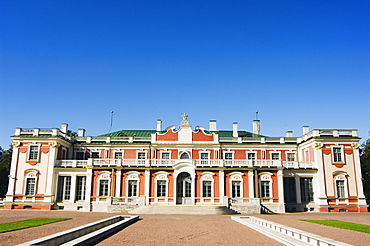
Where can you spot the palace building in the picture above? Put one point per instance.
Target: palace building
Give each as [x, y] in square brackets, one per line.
[57, 169]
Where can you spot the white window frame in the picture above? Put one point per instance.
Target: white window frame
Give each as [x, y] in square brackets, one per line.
[30, 175]
[275, 152]
[118, 151]
[183, 152]
[161, 176]
[133, 175]
[236, 176]
[341, 154]
[251, 162]
[205, 177]
[63, 189]
[83, 188]
[205, 161]
[229, 162]
[38, 146]
[91, 154]
[104, 175]
[141, 161]
[292, 153]
[165, 161]
[266, 176]
[341, 177]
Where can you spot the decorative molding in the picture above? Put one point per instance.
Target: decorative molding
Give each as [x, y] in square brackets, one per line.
[319, 145]
[54, 145]
[16, 144]
[355, 145]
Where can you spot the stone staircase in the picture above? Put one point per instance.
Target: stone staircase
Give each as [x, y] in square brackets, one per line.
[182, 209]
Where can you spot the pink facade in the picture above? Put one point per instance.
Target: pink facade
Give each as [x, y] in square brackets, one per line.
[318, 171]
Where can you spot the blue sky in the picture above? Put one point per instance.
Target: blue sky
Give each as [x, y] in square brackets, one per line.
[296, 62]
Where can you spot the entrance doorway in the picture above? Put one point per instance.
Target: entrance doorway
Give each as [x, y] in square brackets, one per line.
[184, 189]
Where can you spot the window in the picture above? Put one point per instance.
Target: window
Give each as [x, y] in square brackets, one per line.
[141, 156]
[33, 153]
[184, 155]
[235, 189]
[30, 186]
[204, 158]
[229, 157]
[337, 154]
[275, 156]
[341, 192]
[290, 195]
[207, 188]
[80, 155]
[104, 187]
[64, 188]
[118, 155]
[251, 156]
[306, 189]
[165, 156]
[132, 188]
[161, 188]
[265, 189]
[95, 154]
[81, 188]
[290, 157]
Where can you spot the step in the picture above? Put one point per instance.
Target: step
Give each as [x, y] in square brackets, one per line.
[182, 209]
[86, 234]
[285, 234]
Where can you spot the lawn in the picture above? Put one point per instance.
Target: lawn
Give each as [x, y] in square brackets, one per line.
[18, 225]
[342, 224]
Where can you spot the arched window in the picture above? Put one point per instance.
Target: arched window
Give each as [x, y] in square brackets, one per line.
[265, 185]
[236, 184]
[207, 184]
[161, 183]
[133, 182]
[340, 180]
[30, 182]
[184, 155]
[104, 183]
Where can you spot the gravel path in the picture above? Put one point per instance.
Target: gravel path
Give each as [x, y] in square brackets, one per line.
[183, 229]
[188, 230]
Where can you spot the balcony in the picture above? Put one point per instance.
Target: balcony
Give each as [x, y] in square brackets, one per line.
[171, 162]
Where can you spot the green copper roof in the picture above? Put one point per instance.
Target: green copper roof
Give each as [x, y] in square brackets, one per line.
[240, 134]
[147, 133]
[130, 133]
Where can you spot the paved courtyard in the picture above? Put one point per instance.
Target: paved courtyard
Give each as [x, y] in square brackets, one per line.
[183, 229]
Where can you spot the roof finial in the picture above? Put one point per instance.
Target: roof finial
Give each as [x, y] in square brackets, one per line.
[256, 115]
[185, 121]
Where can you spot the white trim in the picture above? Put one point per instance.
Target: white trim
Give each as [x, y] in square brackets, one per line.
[133, 175]
[207, 176]
[162, 176]
[104, 175]
[341, 154]
[236, 176]
[38, 152]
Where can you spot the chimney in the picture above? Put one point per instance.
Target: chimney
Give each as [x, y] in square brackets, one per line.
[81, 132]
[289, 134]
[257, 127]
[235, 129]
[212, 126]
[159, 125]
[305, 129]
[64, 127]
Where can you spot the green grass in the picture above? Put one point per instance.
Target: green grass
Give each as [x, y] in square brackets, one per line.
[18, 225]
[342, 224]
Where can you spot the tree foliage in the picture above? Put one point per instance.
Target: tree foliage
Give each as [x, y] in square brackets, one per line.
[365, 166]
[5, 161]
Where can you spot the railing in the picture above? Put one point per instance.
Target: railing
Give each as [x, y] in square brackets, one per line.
[125, 200]
[300, 164]
[172, 162]
[41, 132]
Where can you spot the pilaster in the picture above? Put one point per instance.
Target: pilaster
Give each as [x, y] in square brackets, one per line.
[87, 204]
[118, 183]
[13, 173]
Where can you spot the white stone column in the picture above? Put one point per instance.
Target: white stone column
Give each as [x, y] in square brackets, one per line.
[73, 188]
[50, 177]
[147, 186]
[221, 176]
[13, 173]
[281, 186]
[320, 187]
[360, 188]
[118, 183]
[251, 183]
[89, 184]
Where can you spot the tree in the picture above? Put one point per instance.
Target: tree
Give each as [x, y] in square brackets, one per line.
[5, 161]
[365, 166]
